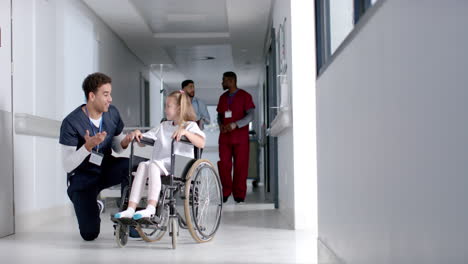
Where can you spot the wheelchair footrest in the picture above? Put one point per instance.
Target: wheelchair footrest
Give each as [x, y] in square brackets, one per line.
[124, 221]
[148, 221]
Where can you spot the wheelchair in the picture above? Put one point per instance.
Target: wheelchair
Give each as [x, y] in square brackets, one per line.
[197, 188]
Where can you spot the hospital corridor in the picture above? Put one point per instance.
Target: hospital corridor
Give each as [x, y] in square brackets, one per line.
[233, 131]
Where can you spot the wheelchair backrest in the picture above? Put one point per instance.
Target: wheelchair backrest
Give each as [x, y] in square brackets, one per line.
[182, 165]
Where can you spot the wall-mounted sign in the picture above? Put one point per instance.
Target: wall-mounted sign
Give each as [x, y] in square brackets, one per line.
[281, 37]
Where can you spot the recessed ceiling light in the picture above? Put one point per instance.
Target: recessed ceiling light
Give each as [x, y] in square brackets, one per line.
[205, 58]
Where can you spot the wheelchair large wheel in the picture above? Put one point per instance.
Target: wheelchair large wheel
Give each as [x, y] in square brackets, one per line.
[121, 235]
[180, 205]
[204, 201]
[154, 234]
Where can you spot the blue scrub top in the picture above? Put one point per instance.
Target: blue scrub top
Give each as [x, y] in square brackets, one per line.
[74, 128]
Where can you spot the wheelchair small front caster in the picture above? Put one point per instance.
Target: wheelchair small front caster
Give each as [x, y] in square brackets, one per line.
[174, 231]
[121, 235]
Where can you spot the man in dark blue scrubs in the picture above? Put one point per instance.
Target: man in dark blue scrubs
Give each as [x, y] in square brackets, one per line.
[87, 136]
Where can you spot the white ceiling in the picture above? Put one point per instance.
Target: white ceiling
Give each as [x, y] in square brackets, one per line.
[182, 33]
[184, 16]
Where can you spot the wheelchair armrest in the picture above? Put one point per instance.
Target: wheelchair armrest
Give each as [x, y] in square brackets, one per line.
[185, 140]
[146, 141]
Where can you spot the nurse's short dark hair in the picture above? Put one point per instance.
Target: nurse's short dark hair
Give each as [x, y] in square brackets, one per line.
[186, 82]
[93, 81]
[231, 75]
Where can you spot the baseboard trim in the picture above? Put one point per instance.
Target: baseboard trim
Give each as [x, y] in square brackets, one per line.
[231, 207]
[29, 221]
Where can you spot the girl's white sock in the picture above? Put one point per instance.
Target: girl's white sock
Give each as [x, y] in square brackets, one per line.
[146, 213]
[125, 214]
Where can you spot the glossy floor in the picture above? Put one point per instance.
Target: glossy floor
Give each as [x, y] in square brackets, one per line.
[250, 233]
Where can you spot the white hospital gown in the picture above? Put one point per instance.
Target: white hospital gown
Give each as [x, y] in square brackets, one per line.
[162, 146]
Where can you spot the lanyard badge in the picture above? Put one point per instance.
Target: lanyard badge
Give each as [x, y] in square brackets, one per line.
[96, 158]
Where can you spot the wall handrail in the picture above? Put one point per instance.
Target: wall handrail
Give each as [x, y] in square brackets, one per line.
[27, 124]
[33, 125]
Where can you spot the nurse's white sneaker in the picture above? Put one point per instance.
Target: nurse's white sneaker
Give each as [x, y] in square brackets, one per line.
[100, 206]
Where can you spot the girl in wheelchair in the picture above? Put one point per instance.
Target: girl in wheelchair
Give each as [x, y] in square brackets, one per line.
[181, 122]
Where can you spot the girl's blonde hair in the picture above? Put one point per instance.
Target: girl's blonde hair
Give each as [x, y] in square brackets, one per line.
[185, 105]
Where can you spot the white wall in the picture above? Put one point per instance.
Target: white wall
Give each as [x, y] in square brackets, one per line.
[155, 100]
[5, 57]
[56, 44]
[6, 136]
[111, 56]
[297, 145]
[392, 136]
[281, 10]
[304, 115]
[209, 95]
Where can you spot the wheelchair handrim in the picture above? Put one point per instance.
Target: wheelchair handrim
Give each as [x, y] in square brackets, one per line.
[199, 212]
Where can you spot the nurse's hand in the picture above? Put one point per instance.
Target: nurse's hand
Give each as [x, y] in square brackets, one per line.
[129, 137]
[95, 140]
[134, 135]
[231, 126]
[223, 129]
[138, 135]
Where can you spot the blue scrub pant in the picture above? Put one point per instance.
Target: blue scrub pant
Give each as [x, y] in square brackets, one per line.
[84, 188]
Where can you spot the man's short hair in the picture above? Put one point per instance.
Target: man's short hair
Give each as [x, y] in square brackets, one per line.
[186, 82]
[231, 75]
[93, 81]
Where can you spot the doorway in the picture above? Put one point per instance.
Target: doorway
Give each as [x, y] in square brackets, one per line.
[144, 102]
[270, 102]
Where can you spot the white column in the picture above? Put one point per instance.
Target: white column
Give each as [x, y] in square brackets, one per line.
[304, 115]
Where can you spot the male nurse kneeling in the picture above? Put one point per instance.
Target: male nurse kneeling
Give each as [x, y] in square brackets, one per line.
[87, 136]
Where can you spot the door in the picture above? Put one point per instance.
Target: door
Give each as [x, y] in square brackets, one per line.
[7, 220]
[271, 144]
[144, 102]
